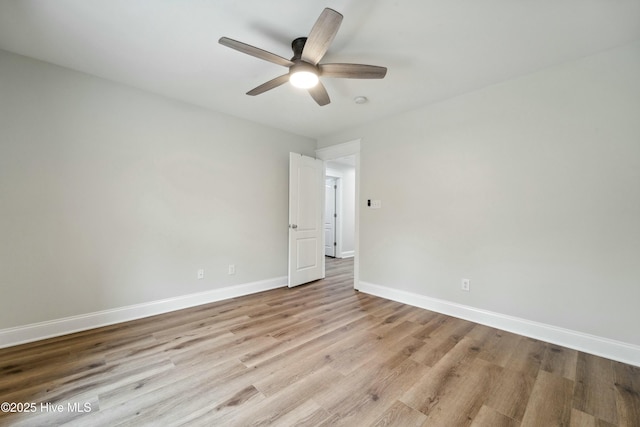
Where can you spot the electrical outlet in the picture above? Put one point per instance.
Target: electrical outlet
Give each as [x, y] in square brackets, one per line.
[232, 269]
[201, 273]
[466, 285]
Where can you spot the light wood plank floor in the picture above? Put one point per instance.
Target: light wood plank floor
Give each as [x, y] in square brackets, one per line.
[320, 354]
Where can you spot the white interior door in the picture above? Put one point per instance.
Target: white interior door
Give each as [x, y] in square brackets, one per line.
[330, 217]
[306, 191]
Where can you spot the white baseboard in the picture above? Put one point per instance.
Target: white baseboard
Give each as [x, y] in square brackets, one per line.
[611, 349]
[347, 254]
[53, 328]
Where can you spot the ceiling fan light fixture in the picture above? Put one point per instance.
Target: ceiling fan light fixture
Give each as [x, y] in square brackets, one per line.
[303, 75]
[303, 79]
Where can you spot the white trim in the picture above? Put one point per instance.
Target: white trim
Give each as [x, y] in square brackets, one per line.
[332, 173]
[53, 328]
[356, 236]
[611, 349]
[347, 254]
[339, 150]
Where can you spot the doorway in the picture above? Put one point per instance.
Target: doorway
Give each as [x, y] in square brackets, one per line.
[330, 216]
[342, 161]
[341, 174]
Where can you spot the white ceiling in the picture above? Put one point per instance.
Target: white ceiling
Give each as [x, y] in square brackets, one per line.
[433, 49]
[349, 161]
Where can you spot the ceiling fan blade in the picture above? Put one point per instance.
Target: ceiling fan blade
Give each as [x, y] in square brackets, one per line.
[321, 36]
[352, 71]
[271, 84]
[254, 51]
[319, 94]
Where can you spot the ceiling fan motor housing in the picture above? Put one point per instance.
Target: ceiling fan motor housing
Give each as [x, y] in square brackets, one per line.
[300, 66]
[302, 74]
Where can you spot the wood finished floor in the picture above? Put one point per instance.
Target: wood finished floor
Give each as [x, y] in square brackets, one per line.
[321, 354]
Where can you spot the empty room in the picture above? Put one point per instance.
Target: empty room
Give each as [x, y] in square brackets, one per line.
[358, 213]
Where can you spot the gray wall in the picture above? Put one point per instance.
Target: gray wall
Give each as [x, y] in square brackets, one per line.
[530, 188]
[110, 196]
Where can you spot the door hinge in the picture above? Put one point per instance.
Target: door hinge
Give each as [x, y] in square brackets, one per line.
[335, 187]
[334, 243]
[335, 215]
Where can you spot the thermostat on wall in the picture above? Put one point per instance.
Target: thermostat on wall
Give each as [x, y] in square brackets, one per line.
[374, 204]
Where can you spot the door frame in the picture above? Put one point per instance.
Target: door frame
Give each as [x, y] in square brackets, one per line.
[332, 152]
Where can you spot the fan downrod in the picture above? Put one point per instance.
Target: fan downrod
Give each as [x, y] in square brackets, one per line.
[298, 45]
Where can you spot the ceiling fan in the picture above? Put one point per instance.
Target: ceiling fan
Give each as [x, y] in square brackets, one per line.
[304, 66]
